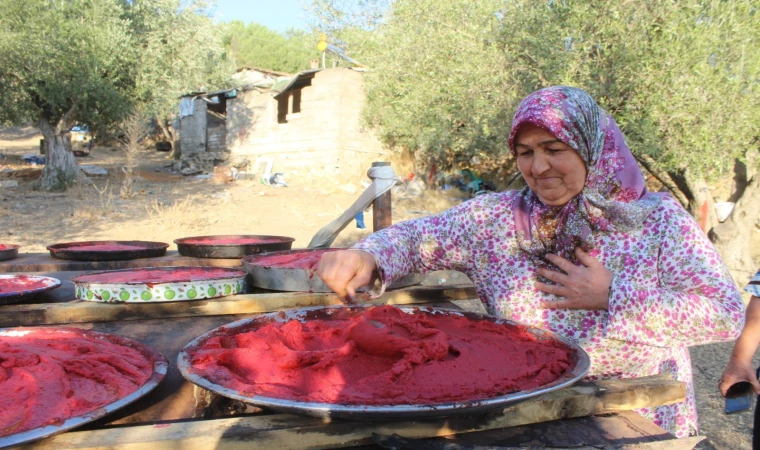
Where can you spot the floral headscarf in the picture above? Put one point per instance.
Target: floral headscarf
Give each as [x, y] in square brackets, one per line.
[614, 197]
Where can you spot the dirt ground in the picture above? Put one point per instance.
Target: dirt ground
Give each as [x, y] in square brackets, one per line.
[167, 207]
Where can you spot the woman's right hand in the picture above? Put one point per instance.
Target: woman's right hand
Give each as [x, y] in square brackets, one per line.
[738, 370]
[346, 271]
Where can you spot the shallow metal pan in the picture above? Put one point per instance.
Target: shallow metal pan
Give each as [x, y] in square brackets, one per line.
[6, 298]
[160, 366]
[69, 250]
[374, 412]
[9, 252]
[186, 246]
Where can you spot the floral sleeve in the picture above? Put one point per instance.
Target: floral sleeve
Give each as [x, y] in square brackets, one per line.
[753, 287]
[697, 301]
[442, 241]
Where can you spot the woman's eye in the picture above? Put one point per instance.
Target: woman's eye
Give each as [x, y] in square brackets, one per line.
[555, 150]
[525, 153]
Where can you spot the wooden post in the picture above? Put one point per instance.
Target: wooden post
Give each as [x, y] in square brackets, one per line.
[382, 214]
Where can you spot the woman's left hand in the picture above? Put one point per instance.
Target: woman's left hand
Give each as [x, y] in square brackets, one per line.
[583, 287]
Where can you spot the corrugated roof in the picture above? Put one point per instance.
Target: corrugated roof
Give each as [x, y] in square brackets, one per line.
[300, 77]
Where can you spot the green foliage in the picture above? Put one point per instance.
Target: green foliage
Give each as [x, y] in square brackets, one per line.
[63, 56]
[682, 78]
[98, 59]
[437, 82]
[255, 45]
[178, 49]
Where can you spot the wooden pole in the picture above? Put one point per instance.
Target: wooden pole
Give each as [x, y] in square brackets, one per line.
[382, 214]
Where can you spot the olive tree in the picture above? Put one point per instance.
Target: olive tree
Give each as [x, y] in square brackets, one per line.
[62, 64]
[682, 78]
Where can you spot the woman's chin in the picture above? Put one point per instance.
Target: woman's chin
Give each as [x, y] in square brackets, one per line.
[554, 200]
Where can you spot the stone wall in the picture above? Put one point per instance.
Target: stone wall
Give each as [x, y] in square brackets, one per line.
[216, 133]
[325, 137]
[192, 130]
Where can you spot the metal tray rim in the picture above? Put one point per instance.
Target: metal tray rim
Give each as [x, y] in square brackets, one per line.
[56, 283]
[160, 367]
[367, 412]
[239, 273]
[283, 239]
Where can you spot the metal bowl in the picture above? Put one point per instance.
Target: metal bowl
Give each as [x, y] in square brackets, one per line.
[292, 279]
[160, 366]
[376, 412]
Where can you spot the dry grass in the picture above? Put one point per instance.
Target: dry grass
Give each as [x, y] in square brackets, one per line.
[180, 214]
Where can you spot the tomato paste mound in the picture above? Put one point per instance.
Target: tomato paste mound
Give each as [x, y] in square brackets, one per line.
[156, 275]
[20, 283]
[104, 248]
[382, 357]
[47, 377]
[295, 260]
[222, 240]
[5, 247]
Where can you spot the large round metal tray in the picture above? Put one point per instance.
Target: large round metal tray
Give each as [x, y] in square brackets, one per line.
[220, 247]
[213, 282]
[73, 251]
[359, 412]
[16, 295]
[300, 280]
[160, 366]
[8, 251]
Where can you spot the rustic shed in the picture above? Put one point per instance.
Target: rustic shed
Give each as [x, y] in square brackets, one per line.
[310, 122]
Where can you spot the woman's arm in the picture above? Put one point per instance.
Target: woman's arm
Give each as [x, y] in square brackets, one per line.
[696, 301]
[739, 367]
[442, 241]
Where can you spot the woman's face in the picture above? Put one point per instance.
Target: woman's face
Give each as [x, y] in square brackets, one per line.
[552, 169]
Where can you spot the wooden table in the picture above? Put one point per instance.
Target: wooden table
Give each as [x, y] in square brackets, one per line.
[178, 414]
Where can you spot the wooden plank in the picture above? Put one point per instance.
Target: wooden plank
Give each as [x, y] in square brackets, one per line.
[625, 430]
[292, 432]
[81, 311]
[43, 262]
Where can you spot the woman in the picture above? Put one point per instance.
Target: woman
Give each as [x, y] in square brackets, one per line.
[584, 251]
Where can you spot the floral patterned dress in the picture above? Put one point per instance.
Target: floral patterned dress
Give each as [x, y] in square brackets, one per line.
[670, 289]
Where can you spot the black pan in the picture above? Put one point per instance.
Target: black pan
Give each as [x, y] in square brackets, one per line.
[75, 251]
[224, 246]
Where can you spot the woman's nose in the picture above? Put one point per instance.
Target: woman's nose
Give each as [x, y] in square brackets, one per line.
[540, 164]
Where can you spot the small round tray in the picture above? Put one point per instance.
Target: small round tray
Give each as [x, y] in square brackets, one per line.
[299, 279]
[375, 412]
[160, 366]
[107, 250]
[8, 251]
[159, 284]
[15, 286]
[231, 245]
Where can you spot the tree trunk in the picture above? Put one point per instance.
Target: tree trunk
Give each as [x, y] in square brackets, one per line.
[699, 198]
[61, 170]
[170, 135]
[733, 237]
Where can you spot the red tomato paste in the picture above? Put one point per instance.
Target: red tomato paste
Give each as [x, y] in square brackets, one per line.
[19, 283]
[104, 248]
[47, 377]
[160, 275]
[4, 247]
[231, 241]
[383, 357]
[296, 260]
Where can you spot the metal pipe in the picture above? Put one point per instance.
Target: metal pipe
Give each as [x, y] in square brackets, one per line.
[382, 213]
